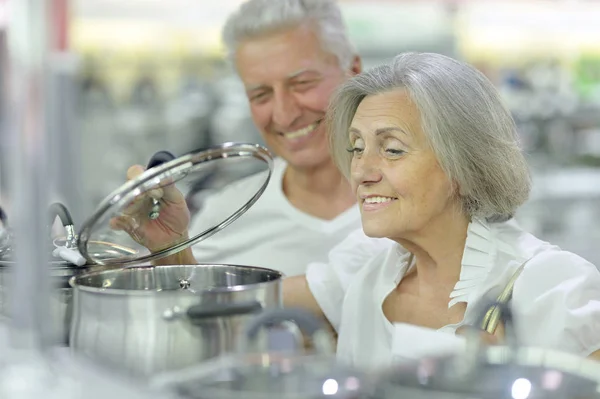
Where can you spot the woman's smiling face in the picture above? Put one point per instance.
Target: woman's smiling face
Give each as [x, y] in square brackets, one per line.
[398, 182]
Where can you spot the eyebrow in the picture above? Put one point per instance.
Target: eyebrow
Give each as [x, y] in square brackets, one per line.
[298, 73]
[382, 130]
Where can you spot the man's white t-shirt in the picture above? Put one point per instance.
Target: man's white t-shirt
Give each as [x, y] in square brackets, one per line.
[272, 233]
[555, 302]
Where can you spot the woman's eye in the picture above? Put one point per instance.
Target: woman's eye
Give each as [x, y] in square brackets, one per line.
[394, 152]
[357, 147]
[356, 150]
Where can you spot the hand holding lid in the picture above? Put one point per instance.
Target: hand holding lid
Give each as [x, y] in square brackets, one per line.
[159, 217]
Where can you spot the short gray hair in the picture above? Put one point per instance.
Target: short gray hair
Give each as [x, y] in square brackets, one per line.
[471, 132]
[256, 18]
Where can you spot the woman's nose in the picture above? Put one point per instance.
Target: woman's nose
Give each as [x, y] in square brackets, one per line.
[365, 169]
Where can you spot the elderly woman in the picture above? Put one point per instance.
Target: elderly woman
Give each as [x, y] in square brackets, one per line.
[434, 161]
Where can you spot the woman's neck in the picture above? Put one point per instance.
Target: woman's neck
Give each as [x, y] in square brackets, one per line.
[439, 247]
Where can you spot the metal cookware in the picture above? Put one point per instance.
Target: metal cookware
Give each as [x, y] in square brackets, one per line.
[65, 260]
[150, 319]
[62, 268]
[500, 373]
[495, 372]
[146, 319]
[276, 373]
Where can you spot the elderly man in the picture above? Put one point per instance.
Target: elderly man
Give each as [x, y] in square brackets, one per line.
[290, 55]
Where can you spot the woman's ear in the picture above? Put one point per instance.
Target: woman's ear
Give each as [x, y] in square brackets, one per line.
[456, 189]
[355, 66]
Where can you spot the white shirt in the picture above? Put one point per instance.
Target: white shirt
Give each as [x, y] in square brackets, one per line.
[272, 233]
[555, 304]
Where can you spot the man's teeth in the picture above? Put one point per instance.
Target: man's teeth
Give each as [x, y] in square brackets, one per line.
[377, 200]
[301, 132]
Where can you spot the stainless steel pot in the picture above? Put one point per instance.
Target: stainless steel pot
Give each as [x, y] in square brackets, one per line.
[152, 319]
[60, 298]
[60, 272]
[145, 319]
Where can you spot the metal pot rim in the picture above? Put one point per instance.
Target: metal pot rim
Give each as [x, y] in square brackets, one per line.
[130, 292]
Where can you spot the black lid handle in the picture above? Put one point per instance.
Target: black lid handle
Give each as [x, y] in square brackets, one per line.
[159, 158]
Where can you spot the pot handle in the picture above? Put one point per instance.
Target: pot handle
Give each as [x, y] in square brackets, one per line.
[303, 319]
[3, 217]
[58, 209]
[198, 313]
[5, 236]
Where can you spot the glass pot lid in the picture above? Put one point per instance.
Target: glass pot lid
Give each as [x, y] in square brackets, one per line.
[281, 375]
[201, 193]
[500, 372]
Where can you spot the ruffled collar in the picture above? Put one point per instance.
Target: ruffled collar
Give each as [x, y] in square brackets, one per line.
[476, 262]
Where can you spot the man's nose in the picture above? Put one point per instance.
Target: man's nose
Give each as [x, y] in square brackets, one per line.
[286, 110]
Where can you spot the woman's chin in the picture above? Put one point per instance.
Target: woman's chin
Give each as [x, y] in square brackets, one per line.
[374, 232]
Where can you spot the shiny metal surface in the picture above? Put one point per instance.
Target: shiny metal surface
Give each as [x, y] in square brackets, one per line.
[59, 301]
[27, 138]
[503, 372]
[60, 293]
[282, 371]
[269, 375]
[142, 321]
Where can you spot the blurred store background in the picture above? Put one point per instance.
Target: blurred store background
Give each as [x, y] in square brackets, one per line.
[150, 75]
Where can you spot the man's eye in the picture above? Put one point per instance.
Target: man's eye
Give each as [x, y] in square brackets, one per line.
[258, 96]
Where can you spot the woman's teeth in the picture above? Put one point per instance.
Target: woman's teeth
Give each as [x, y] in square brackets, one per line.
[377, 200]
[301, 132]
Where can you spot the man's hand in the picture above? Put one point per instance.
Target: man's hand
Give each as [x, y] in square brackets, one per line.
[171, 226]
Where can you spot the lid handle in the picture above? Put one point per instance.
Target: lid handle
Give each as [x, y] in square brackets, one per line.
[159, 158]
[156, 160]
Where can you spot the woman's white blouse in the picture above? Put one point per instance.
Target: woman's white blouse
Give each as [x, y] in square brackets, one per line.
[555, 304]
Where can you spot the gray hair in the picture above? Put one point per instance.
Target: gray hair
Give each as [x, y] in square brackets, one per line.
[471, 132]
[256, 18]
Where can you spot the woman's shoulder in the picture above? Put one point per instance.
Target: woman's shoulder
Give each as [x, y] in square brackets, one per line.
[516, 245]
[557, 295]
